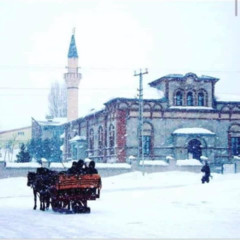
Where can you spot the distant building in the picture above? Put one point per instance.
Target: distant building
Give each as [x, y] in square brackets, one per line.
[10, 141]
[47, 141]
[47, 128]
[15, 137]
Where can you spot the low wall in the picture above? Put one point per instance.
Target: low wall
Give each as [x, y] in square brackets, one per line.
[6, 172]
[153, 169]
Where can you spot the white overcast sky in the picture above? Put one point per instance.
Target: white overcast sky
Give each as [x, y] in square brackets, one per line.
[114, 38]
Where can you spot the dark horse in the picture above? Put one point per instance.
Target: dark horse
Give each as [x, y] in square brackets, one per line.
[41, 184]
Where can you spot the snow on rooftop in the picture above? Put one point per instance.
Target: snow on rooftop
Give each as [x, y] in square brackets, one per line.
[148, 93]
[193, 131]
[113, 165]
[227, 98]
[191, 107]
[52, 122]
[154, 163]
[98, 165]
[77, 138]
[188, 162]
[152, 93]
[96, 103]
[23, 165]
[175, 75]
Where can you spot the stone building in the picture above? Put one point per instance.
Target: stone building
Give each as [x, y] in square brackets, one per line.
[187, 122]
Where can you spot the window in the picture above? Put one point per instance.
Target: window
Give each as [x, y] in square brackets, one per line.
[74, 151]
[111, 138]
[190, 99]
[20, 133]
[147, 139]
[146, 145]
[201, 99]
[235, 145]
[234, 136]
[179, 98]
[100, 140]
[91, 141]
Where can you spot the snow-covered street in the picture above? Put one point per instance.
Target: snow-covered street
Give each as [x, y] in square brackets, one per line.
[168, 204]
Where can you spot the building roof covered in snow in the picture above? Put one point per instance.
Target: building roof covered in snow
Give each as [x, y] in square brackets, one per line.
[181, 77]
[227, 98]
[52, 121]
[77, 138]
[193, 131]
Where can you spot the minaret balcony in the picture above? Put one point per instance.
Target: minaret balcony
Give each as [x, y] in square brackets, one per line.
[70, 76]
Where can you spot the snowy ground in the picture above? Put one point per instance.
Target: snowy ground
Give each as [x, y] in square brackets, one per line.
[159, 205]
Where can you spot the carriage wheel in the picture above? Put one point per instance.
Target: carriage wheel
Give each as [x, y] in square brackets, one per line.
[56, 205]
[78, 207]
[61, 206]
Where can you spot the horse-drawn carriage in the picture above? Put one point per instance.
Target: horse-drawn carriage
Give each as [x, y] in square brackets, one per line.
[65, 192]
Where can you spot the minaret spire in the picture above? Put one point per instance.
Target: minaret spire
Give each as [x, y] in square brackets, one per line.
[72, 79]
[72, 52]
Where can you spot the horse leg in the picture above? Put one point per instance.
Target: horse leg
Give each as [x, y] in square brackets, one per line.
[41, 201]
[35, 199]
[47, 202]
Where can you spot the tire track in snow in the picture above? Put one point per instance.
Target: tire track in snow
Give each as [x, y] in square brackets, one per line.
[19, 196]
[143, 188]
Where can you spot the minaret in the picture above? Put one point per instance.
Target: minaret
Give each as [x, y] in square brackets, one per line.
[72, 79]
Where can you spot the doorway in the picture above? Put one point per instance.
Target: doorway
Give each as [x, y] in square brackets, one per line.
[194, 149]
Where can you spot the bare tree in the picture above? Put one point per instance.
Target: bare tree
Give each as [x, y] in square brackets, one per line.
[57, 100]
[9, 148]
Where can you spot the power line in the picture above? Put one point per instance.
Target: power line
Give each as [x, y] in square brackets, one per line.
[19, 88]
[108, 68]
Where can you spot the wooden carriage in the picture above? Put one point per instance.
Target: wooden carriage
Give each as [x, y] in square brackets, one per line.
[71, 192]
[65, 192]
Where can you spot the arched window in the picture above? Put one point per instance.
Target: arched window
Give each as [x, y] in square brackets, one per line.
[100, 140]
[111, 138]
[91, 141]
[147, 139]
[179, 98]
[201, 99]
[189, 99]
[234, 136]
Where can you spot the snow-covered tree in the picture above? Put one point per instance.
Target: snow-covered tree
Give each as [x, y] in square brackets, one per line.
[23, 155]
[57, 100]
[47, 148]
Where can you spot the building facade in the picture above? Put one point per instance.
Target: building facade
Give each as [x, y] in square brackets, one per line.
[15, 137]
[11, 140]
[187, 122]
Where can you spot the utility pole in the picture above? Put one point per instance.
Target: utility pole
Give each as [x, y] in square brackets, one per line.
[140, 118]
[236, 8]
